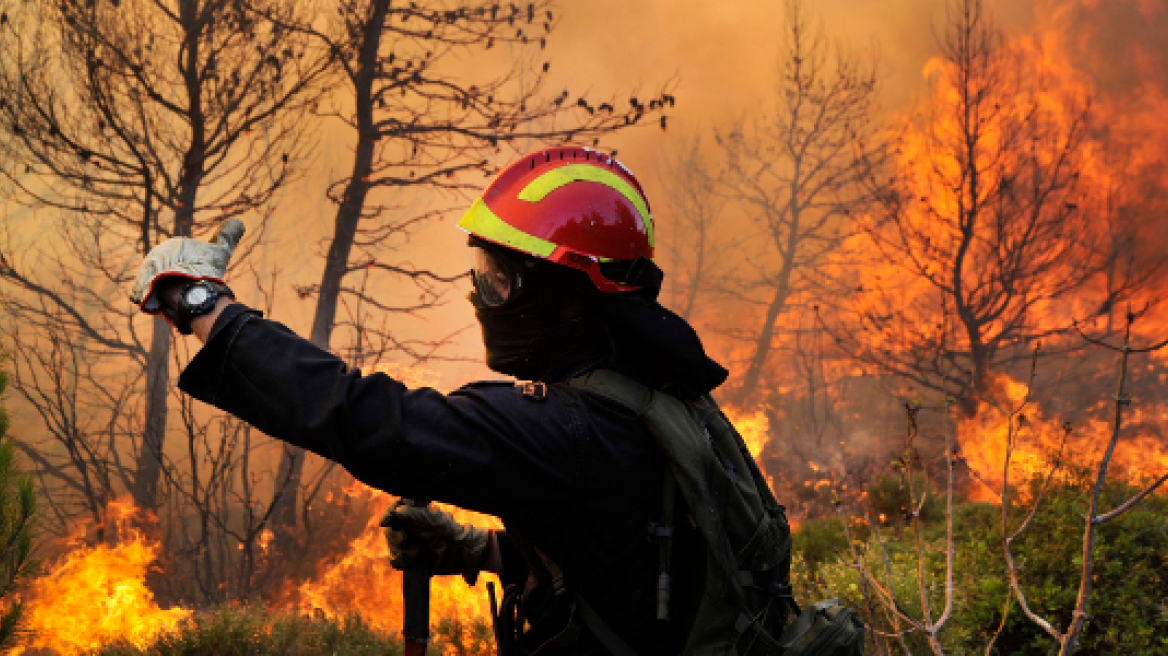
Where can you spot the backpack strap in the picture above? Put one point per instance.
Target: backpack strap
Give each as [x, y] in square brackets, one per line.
[689, 450]
[625, 391]
[663, 534]
[595, 624]
[697, 440]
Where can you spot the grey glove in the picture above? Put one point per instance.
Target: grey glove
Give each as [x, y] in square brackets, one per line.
[186, 258]
[455, 548]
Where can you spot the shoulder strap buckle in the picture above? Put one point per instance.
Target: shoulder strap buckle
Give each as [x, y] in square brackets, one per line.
[535, 391]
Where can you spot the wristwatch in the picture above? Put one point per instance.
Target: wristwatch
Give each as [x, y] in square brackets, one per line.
[196, 299]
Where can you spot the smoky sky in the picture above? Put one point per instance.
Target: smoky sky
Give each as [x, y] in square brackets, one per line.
[1123, 45]
[723, 56]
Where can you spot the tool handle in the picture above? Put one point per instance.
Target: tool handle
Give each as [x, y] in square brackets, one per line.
[416, 600]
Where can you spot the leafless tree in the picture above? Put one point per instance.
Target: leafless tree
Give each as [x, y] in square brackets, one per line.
[982, 227]
[419, 125]
[218, 509]
[136, 121]
[797, 172]
[1094, 518]
[817, 416]
[697, 244]
[931, 620]
[82, 404]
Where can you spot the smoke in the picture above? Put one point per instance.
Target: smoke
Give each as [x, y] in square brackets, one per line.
[1120, 43]
[724, 58]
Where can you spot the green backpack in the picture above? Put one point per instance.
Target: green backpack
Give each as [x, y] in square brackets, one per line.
[743, 610]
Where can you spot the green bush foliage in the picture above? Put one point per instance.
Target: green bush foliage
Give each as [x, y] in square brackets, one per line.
[1128, 605]
[818, 541]
[17, 506]
[464, 638]
[256, 631]
[1130, 593]
[889, 496]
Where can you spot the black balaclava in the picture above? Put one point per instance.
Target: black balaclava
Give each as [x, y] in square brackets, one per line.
[562, 326]
[547, 329]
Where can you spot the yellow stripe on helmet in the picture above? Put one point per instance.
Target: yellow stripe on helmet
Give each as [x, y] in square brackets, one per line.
[545, 184]
[480, 221]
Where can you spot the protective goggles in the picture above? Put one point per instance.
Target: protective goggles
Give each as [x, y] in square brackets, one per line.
[497, 279]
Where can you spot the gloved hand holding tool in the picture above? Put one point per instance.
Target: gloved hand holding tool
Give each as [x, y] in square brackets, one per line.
[182, 278]
[425, 541]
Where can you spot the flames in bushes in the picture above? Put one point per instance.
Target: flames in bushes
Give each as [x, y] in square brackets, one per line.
[1041, 441]
[362, 581]
[93, 594]
[96, 594]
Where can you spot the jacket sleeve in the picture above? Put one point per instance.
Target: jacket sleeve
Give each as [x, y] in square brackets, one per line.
[483, 448]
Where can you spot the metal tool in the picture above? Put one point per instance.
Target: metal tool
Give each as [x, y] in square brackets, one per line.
[416, 599]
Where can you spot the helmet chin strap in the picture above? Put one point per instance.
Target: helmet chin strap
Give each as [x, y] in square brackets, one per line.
[641, 273]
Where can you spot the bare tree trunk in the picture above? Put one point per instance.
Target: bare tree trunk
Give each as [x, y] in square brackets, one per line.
[158, 360]
[336, 265]
[149, 465]
[344, 232]
[695, 281]
[794, 170]
[762, 346]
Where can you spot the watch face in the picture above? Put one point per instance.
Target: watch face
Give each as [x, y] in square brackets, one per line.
[196, 295]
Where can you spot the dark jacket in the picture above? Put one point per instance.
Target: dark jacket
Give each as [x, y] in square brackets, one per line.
[572, 474]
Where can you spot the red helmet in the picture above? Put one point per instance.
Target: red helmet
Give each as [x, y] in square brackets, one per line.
[572, 206]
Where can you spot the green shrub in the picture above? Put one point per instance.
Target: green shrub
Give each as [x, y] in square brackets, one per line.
[1128, 606]
[818, 541]
[463, 638]
[889, 497]
[17, 506]
[1130, 580]
[256, 631]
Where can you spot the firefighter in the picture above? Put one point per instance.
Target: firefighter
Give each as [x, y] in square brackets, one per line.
[564, 285]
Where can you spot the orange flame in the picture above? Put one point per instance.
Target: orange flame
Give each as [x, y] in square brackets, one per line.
[96, 594]
[984, 442]
[362, 581]
[753, 427]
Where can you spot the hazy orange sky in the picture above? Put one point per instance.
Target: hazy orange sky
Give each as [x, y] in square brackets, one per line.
[722, 55]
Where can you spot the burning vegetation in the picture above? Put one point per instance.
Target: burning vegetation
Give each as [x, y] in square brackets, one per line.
[363, 581]
[97, 594]
[926, 308]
